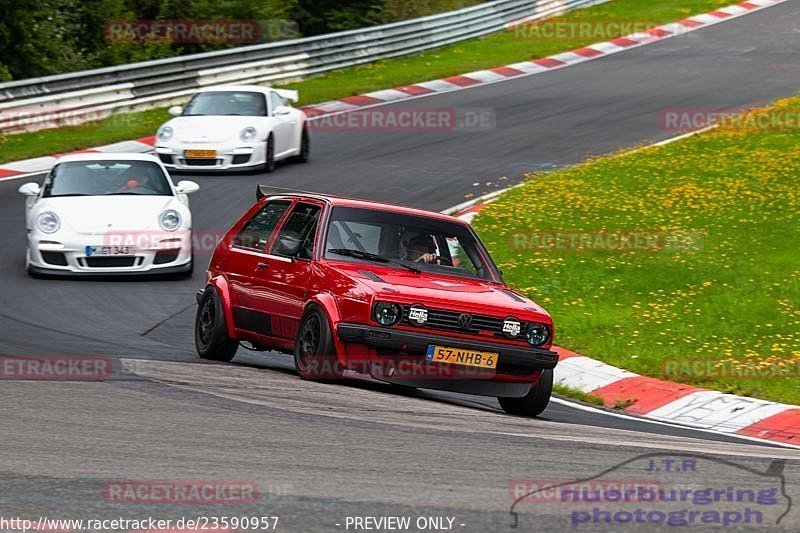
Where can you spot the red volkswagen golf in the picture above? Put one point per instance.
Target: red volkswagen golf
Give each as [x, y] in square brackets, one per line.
[403, 295]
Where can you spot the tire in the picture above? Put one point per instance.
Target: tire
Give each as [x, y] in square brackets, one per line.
[533, 403]
[314, 352]
[210, 331]
[269, 163]
[305, 147]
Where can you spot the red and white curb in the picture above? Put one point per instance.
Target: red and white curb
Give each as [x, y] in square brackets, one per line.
[662, 400]
[454, 83]
[537, 66]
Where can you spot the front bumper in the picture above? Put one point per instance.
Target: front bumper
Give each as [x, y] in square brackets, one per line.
[228, 157]
[69, 258]
[513, 360]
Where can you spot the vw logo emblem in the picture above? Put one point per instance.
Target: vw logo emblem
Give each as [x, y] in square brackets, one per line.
[465, 321]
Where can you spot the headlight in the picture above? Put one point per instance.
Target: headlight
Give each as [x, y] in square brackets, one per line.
[248, 134]
[387, 314]
[537, 334]
[170, 220]
[165, 133]
[48, 222]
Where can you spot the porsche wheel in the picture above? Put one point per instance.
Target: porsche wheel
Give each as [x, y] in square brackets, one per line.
[533, 403]
[269, 162]
[314, 352]
[305, 147]
[210, 331]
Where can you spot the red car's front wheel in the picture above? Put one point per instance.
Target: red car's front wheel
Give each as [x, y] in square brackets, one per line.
[533, 403]
[314, 352]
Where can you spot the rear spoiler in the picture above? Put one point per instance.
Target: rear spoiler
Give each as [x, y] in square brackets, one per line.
[262, 191]
[294, 96]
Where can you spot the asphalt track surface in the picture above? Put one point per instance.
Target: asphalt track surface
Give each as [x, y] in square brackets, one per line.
[322, 452]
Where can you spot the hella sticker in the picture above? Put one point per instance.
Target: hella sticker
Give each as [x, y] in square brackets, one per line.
[512, 327]
[418, 314]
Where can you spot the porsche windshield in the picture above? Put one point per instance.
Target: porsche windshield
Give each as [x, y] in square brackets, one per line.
[107, 178]
[422, 243]
[233, 103]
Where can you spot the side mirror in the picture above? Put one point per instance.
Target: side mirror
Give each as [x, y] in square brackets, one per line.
[187, 187]
[30, 189]
[282, 110]
[175, 111]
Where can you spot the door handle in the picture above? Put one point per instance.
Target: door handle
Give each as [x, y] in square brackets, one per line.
[262, 266]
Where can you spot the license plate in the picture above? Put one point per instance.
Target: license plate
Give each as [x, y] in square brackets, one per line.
[201, 154]
[109, 250]
[458, 356]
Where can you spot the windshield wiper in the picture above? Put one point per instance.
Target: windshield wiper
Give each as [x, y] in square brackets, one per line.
[375, 258]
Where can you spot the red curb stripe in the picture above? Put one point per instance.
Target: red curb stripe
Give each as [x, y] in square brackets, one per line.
[647, 394]
[624, 42]
[564, 354]
[361, 100]
[548, 62]
[782, 427]
[147, 140]
[720, 14]
[507, 71]
[4, 173]
[414, 90]
[659, 32]
[689, 23]
[747, 5]
[461, 81]
[588, 51]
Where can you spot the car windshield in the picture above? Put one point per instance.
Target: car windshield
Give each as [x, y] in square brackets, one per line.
[107, 178]
[419, 243]
[233, 103]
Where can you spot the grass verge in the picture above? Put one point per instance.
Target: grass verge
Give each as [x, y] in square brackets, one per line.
[599, 23]
[709, 294]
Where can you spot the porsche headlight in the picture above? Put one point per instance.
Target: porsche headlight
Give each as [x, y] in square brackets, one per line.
[170, 220]
[48, 222]
[165, 133]
[537, 334]
[248, 134]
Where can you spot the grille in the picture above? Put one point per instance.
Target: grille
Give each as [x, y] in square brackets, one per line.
[165, 158]
[201, 162]
[166, 256]
[54, 258]
[109, 262]
[240, 159]
[449, 320]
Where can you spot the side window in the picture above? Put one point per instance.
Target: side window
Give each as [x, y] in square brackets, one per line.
[255, 234]
[276, 101]
[298, 234]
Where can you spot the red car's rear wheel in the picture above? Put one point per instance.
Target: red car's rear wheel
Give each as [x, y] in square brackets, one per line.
[210, 331]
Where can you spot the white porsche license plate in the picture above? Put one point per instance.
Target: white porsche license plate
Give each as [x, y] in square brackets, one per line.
[201, 154]
[92, 251]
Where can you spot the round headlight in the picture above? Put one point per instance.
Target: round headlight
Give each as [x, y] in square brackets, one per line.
[48, 222]
[387, 314]
[537, 334]
[248, 134]
[165, 133]
[170, 220]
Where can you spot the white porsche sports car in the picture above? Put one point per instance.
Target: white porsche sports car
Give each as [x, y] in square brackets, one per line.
[236, 127]
[99, 214]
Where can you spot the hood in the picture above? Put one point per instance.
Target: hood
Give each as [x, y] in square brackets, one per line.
[436, 291]
[101, 214]
[210, 129]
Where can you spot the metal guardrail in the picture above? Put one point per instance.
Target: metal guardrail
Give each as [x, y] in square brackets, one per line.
[77, 97]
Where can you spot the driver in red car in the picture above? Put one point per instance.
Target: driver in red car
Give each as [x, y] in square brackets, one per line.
[422, 249]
